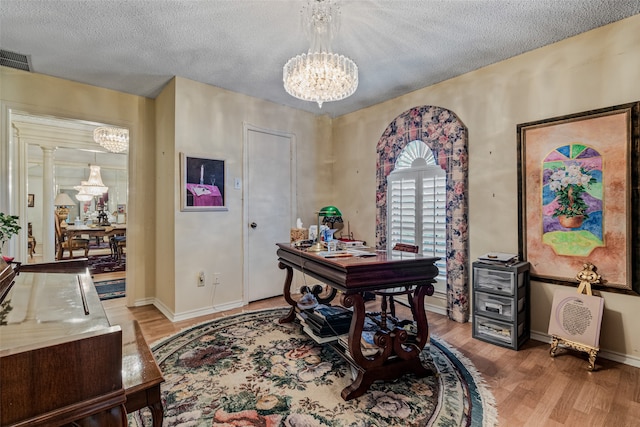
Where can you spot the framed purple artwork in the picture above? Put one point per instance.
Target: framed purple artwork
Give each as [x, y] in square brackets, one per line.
[202, 184]
[578, 196]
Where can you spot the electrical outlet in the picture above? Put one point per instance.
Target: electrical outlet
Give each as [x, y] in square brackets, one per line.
[201, 279]
[216, 279]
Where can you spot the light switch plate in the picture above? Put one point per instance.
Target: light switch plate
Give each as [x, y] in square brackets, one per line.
[237, 184]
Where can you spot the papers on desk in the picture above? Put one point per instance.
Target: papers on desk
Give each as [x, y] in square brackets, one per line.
[201, 191]
[334, 254]
[360, 253]
[346, 253]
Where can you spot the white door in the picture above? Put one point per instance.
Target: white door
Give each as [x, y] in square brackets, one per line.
[269, 182]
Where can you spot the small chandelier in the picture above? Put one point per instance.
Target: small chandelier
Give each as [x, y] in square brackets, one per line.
[320, 75]
[115, 140]
[82, 195]
[93, 186]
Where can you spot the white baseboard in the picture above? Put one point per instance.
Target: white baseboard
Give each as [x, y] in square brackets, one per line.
[605, 354]
[177, 317]
[144, 301]
[429, 307]
[436, 309]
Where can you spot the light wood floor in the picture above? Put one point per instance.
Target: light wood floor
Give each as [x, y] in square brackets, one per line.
[530, 387]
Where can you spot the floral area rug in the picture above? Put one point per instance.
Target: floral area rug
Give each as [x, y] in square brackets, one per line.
[99, 264]
[249, 370]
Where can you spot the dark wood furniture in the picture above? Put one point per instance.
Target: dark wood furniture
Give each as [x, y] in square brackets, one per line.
[7, 275]
[60, 359]
[68, 242]
[31, 241]
[141, 376]
[76, 232]
[134, 366]
[118, 242]
[393, 272]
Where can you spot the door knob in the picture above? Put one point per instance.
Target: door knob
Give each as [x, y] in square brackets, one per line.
[253, 225]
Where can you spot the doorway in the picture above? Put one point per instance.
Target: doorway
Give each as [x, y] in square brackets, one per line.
[55, 155]
[269, 208]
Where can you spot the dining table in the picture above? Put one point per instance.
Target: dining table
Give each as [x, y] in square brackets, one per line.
[92, 230]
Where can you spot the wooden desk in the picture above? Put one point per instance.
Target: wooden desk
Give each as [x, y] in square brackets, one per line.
[353, 277]
[72, 231]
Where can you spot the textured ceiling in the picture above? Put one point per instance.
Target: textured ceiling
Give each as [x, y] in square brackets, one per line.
[137, 46]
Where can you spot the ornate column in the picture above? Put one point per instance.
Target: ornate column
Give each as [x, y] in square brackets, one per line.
[48, 196]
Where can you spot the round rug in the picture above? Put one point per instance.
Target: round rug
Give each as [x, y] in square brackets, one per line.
[249, 370]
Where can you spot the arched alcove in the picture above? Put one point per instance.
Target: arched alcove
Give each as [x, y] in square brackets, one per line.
[446, 136]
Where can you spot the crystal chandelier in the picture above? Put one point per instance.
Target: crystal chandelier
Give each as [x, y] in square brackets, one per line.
[115, 140]
[320, 75]
[82, 195]
[93, 186]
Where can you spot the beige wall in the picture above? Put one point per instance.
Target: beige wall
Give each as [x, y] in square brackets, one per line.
[593, 70]
[164, 211]
[209, 122]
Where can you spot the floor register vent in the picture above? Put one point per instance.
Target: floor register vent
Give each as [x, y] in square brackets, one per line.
[15, 60]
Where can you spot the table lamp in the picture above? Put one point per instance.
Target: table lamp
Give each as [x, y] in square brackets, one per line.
[330, 214]
[62, 202]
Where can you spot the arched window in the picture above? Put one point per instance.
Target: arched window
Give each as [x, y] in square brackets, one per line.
[416, 206]
[446, 136]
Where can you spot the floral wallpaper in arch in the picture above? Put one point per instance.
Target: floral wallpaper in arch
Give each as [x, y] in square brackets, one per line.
[446, 136]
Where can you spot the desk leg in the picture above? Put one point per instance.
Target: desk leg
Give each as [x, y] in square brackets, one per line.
[157, 414]
[287, 294]
[391, 342]
[393, 371]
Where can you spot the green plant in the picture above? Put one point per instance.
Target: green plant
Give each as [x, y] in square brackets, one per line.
[8, 227]
[5, 309]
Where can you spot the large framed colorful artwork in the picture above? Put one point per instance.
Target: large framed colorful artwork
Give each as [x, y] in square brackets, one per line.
[579, 196]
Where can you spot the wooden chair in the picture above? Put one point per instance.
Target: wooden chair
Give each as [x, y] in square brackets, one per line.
[118, 242]
[62, 243]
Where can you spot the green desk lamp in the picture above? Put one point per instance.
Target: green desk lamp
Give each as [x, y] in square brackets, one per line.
[330, 214]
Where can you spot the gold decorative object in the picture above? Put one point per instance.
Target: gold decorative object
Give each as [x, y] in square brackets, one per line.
[587, 277]
[591, 351]
[62, 202]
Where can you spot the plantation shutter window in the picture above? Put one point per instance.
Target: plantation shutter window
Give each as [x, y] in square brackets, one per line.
[416, 206]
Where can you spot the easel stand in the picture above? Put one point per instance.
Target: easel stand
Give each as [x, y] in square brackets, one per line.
[591, 351]
[587, 277]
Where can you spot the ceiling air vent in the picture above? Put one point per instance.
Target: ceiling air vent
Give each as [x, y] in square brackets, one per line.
[15, 60]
